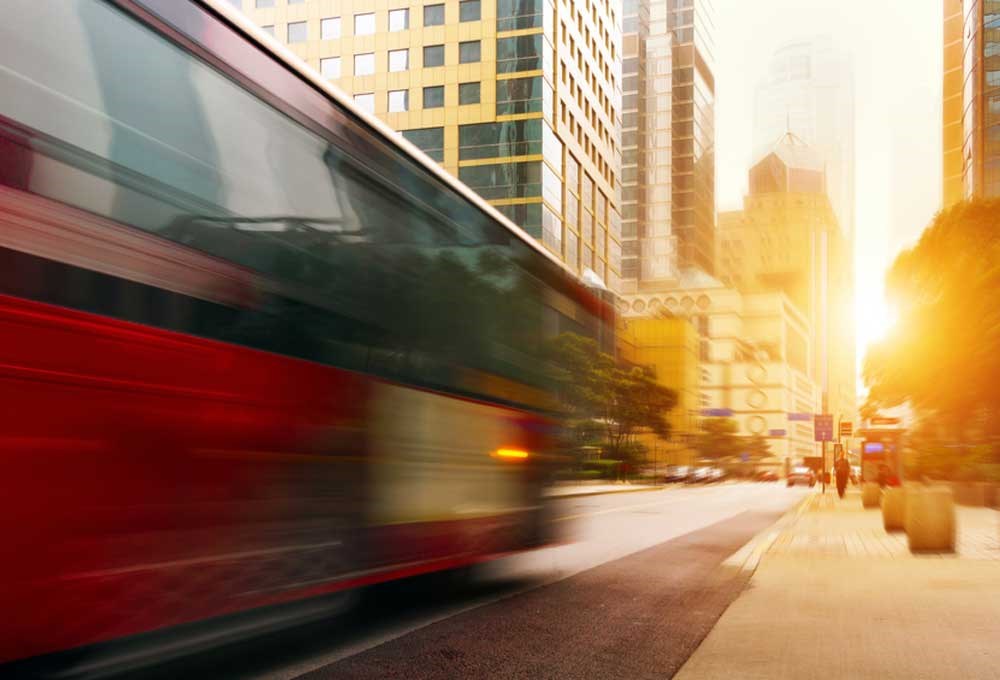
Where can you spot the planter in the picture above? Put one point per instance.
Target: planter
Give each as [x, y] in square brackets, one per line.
[893, 508]
[870, 495]
[930, 519]
[973, 494]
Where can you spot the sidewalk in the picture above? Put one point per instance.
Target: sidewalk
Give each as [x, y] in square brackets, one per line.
[835, 596]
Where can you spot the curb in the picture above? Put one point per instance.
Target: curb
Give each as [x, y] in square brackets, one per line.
[581, 494]
[748, 557]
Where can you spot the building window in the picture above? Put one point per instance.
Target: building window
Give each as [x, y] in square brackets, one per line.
[399, 100]
[528, 216]
[364, 24]
[513, 15]
[399, 60]
[433, 56]
[296, 2]
[434, 15]
[519, 95]
[504, 180]
[469, 10]
[365, 102]
[330, 67]
[469, 52]
[520, 53]
[428, 140]
[261, 4]
[496, 140]
[298, 32]
[434, 97]
[399, 20]
[329, 29]
[364, 64]
[468, 93]
[269, 29]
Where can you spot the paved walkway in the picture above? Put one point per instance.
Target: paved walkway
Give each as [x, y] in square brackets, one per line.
[835, 596]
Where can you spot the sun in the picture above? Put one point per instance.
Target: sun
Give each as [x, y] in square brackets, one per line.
[872, 319]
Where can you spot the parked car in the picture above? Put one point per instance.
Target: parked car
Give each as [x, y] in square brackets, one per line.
[801, 475]
[677, 473]
[767, 476]
[715, 474]
[699, 475]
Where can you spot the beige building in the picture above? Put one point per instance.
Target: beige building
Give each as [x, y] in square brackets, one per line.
[753, 359]
[517, 98]
[787, 240]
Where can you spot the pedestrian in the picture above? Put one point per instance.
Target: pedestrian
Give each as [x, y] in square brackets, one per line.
[843, 470]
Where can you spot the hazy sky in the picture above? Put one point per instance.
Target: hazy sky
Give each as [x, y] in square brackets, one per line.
[896, 48]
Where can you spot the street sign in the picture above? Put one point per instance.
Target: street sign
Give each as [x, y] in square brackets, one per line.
[881, 420]
[717, 412]
[823, 427]
[776, 433]
[846, 428]
[800, 416]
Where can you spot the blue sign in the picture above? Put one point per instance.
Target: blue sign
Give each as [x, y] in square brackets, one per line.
[745, 456]
[823, 428]
[800, 416]
[874, 447]
[776, 433]
[717, 412]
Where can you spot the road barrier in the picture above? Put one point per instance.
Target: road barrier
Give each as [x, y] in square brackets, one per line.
[930, 518]
[893, 508]
[870, 494]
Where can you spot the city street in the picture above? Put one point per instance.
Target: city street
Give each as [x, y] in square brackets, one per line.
[632, 593]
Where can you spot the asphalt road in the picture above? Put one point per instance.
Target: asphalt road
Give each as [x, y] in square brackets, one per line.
[637, 585]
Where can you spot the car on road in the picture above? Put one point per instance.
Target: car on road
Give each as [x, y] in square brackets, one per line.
[698, 475]
[801, 475]
[677, 473]
[767, 476]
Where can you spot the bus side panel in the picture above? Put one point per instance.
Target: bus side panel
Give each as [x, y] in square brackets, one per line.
[151, 478]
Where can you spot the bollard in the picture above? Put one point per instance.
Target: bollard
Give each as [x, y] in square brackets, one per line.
[930, 519]
[870, 494]
[893, 507]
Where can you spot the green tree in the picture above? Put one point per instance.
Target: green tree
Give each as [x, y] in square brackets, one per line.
[595, 390]
[718, 439]
[756, 447]
[943, 355]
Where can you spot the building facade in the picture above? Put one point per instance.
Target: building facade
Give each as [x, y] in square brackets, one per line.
[520, 99]
[753, 360]
[971, 100]
[668, 141]
[787, 240]
[809, 92]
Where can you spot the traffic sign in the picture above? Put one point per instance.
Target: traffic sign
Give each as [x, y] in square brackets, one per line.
[823, 427]
[846, 428]
[776, 433]
[800, 416]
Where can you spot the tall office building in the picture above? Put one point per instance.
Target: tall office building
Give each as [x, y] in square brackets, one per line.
[668, 141]
[649, 249]
[520, 99]
[809, 92]
[787, 239]
[971, 100]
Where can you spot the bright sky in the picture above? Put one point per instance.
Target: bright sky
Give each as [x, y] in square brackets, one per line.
[896, 49]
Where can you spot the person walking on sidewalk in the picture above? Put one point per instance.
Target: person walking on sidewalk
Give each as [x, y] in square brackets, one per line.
[842, 468]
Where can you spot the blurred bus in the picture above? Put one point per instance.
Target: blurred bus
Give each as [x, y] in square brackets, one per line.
[254, 347]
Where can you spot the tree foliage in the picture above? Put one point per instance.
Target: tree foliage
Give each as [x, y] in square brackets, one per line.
[598, 392]
[943, 354]
[718, 439]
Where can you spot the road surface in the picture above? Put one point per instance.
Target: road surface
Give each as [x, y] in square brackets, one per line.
[631, 594]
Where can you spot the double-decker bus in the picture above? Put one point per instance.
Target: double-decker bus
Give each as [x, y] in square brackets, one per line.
[255, 348]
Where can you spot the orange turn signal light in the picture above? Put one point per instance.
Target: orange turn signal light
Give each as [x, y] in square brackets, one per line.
[510, 454]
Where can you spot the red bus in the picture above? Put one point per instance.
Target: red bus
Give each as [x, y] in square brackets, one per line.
[255, 348]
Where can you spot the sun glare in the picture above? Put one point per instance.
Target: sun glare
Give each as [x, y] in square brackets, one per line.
[873, 319]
